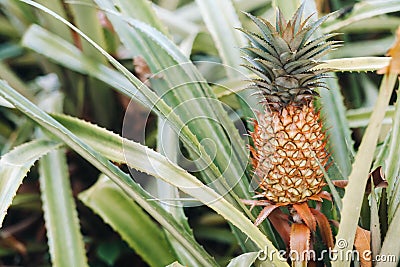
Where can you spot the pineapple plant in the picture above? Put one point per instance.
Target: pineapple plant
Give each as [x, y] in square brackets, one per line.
[289, 152]
[289, 140]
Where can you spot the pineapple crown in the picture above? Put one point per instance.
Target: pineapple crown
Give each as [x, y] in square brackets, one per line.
[283, 58]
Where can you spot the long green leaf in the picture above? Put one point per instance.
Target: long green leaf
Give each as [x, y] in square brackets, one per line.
[354, 193]
[54, 25]
[65, 240]
[7, 74]
[375, 24]
[375, 226]
[123, 180]
[85, 18]
[356, 64]
[391, 245]
[190, 11]
[141, 10]
[222, 29]
[62, 224]
[129, 220]
[244, 260]
[168, 146]
[174, 23]
[43, 42]
[228, 40]
[364, 49]
[333, 111]
[364, 10]
[15, 165]
[392, 169]
[360, 117]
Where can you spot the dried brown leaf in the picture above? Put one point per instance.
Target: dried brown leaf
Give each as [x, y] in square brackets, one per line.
[142, 70]
[104, 21]
[362, 243]
[340, 183]
[266, 211]
[324, 228]
[299, 243]
[325, 195]
[253, 203]
[394, 52]
[303, 210]
[378, 177]
[12, 242]
[280, 221]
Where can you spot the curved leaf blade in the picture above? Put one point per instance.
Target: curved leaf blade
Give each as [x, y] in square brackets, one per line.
[244, 260]
[129, 220]
[392, 170]
[364, 10]
[65, 241]
[62, 224]
[15, 165]
[391, 245]
[354, 192]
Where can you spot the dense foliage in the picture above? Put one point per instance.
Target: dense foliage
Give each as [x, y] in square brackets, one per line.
[123, 133]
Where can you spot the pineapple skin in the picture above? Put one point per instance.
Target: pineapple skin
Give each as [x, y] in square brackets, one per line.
[288, 153]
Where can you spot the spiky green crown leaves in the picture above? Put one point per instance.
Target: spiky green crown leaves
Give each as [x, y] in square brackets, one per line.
[282, 57]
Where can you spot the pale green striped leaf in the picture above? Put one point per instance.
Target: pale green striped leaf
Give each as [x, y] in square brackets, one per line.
[244, 260]
[62, 224]
[15, 165]
[354, 193]
[65, 240]
[129, 220]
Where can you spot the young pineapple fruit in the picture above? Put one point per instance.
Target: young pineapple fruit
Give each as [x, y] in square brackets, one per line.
[289, 141]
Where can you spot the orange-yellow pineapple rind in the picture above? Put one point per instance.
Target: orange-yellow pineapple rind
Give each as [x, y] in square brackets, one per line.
[289, 148]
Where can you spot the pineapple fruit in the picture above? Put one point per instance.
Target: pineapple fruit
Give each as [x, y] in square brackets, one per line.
[289, 142]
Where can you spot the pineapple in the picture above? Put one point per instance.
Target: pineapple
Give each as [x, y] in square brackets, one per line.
[289, 149]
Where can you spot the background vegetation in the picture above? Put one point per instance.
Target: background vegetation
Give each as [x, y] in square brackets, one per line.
[165, 76]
